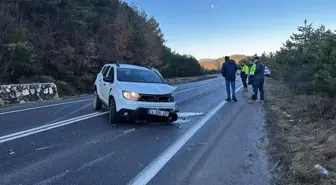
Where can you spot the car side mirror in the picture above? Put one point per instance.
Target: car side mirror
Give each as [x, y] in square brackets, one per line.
[108, 79]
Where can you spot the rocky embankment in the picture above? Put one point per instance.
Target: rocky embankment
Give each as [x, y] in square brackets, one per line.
[174, 81]
[23, 93]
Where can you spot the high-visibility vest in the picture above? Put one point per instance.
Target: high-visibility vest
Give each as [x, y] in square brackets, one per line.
[245, 69]
[253, 69]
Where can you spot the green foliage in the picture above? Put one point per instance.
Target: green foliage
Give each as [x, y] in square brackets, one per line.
[307, 60]
[68, 41]
[177, 65]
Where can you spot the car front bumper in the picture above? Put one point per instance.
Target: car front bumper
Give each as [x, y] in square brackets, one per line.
[140, 114]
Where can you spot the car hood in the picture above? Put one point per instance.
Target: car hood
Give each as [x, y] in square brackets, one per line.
[147, 88]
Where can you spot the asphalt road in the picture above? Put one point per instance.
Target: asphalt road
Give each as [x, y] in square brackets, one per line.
[66, 142]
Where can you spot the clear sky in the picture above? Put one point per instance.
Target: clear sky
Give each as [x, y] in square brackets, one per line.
[214, 28]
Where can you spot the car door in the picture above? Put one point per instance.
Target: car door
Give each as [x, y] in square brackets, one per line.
[99, 79]
[108, 85]
[103, 84]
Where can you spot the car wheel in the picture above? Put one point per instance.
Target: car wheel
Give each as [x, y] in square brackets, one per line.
[97, 104]
[113, 112]
[172, 117]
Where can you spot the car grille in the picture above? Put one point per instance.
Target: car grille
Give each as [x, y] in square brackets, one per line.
[156, 98]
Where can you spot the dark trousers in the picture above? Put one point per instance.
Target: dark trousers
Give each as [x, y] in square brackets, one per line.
[229, 83]
[258, 85]
[244, 80]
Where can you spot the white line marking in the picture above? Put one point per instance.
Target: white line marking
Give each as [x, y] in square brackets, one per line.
[129, 130]
[43, 148]
[64, 116]
[51, 179]
[155, 166]
[44, 106]
[95, 161]
[28, 132]
[186, 90]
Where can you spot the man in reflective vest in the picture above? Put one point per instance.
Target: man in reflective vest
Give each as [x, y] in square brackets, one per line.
[257, 79]
[251, 73]
[243, 74]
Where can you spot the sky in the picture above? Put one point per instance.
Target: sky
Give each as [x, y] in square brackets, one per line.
[215, 28]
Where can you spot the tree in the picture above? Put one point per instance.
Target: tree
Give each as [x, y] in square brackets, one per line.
[67, 42]
[309, 59]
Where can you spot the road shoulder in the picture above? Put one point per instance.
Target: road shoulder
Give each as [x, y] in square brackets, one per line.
[229, 149]
[301, 130]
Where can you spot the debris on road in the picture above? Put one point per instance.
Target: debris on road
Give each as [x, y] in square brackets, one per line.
[188, 114]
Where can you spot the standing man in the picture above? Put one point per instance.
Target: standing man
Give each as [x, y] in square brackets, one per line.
[257, 72]
[243, 74]
[229, 69]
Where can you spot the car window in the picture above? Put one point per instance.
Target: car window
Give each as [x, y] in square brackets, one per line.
[111, 73]
[106, 70]
[138, 75]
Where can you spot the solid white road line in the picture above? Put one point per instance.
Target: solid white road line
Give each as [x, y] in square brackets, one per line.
[155, 166]
[190, 89]
[44, 106]
[43, 128]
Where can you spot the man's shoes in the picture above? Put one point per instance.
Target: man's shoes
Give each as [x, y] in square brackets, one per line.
[262, 102]
[234, 99]
[228, 99]
[251, 101]
[246, 89]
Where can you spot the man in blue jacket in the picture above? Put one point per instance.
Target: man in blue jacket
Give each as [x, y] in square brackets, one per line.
[229, 69]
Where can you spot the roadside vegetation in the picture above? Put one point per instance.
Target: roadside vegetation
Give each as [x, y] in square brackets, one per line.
[67, 42]
[216, 64]
[301, 106]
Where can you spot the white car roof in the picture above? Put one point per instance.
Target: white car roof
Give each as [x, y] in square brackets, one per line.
[128, 66]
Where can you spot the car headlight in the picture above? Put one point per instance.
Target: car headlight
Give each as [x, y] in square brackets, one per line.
[131, 95]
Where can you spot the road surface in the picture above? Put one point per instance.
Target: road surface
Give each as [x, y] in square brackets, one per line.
[66, 142]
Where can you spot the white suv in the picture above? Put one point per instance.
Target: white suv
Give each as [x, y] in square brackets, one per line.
[134, 93]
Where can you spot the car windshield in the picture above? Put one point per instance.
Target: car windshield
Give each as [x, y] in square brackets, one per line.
[138, 75]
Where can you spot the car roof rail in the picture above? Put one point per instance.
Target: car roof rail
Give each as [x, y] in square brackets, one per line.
[115, 62]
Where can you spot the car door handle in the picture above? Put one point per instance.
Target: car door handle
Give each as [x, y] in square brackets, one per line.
[104, 84]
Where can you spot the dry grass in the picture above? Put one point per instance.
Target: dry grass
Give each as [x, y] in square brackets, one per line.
[302, 133]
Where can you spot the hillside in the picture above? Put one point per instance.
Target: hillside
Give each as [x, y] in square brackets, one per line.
[217, 63]
[67, 42]
[206, 60]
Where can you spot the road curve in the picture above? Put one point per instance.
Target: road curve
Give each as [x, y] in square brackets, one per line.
[66, 142]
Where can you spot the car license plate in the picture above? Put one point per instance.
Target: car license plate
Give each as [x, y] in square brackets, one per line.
[158, 112]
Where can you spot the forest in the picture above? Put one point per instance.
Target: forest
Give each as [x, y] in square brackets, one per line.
[307, 61]
[301, 106]
[67, 42]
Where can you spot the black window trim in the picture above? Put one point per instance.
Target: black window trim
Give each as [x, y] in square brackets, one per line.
[106, 70]
[111, 68]
[103, 69]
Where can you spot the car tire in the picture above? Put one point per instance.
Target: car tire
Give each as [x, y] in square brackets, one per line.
[97, 104]
[172, 118]
[112, 112]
